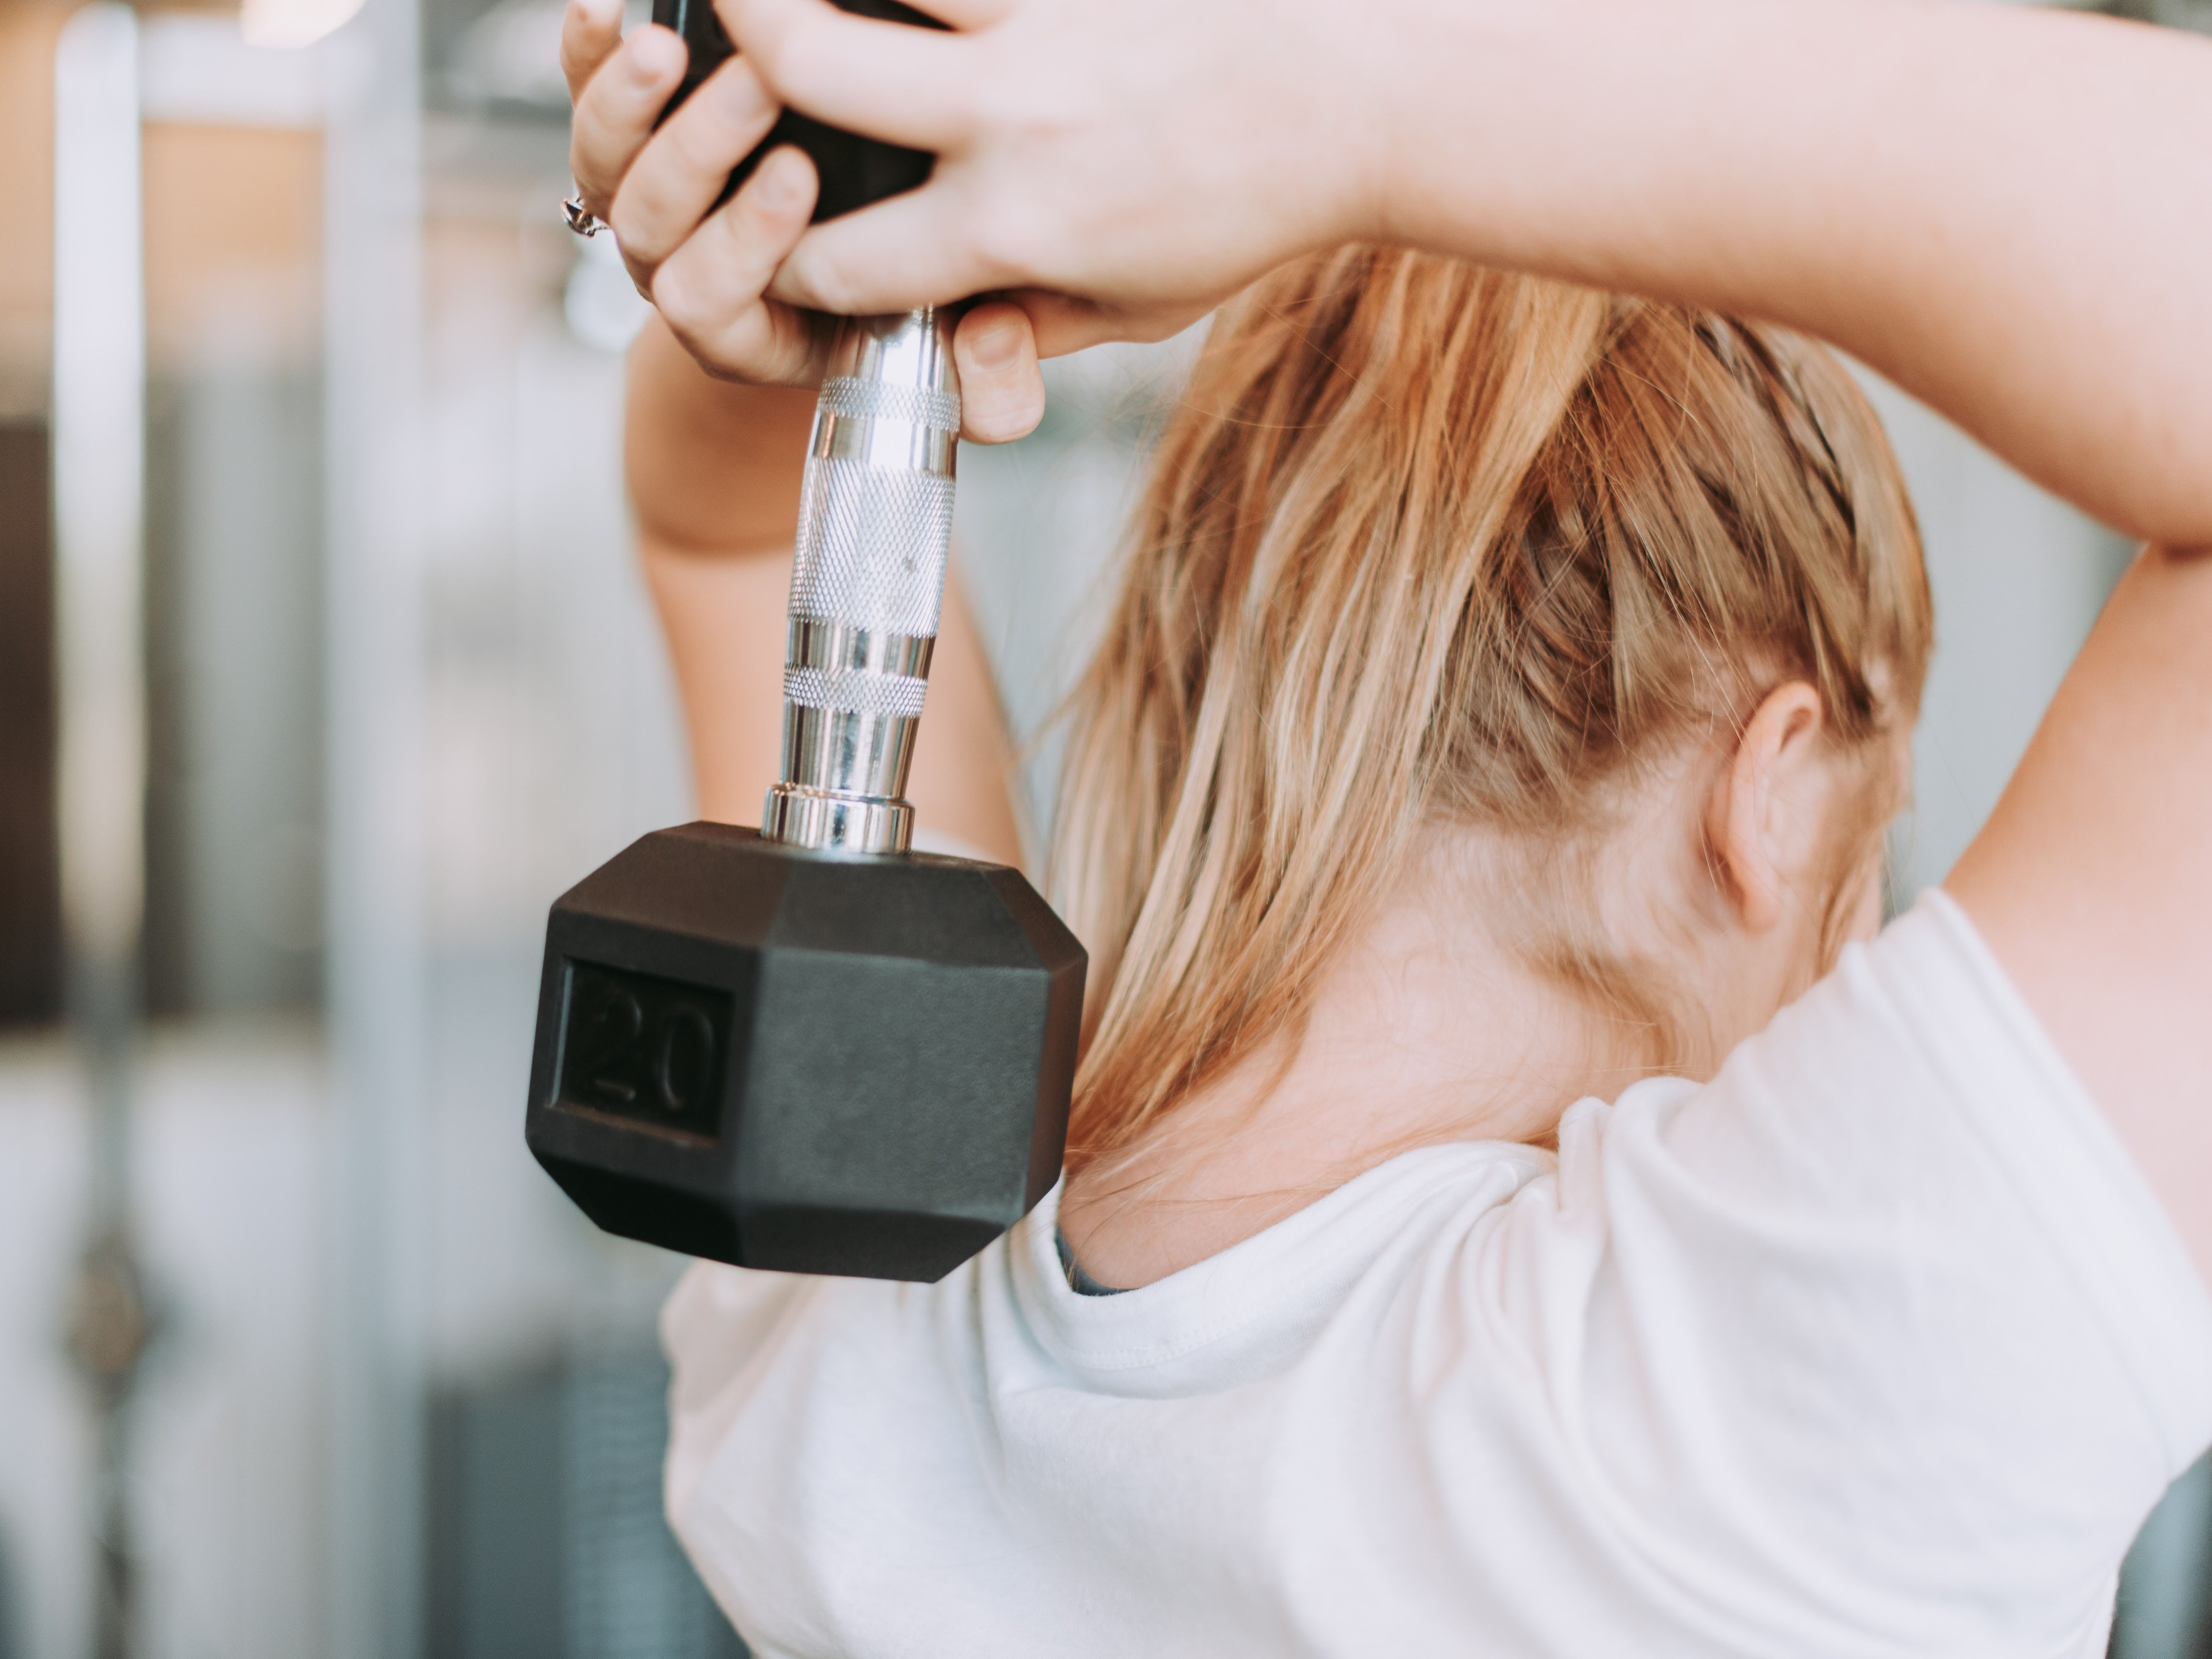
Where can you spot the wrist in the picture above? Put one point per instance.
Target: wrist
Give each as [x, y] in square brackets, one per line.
[1344, 184]
[1480, 111]
[1386, 65]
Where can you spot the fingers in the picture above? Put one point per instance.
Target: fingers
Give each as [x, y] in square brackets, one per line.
[683, 167]
[615, 111]
[709, 290]
[1001, 392]
[906, 251]
[889, 81]
[590, 30]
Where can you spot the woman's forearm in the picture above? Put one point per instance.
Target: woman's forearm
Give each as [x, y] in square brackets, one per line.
[2009, 212]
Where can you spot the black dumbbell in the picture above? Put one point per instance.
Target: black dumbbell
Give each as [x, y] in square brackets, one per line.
[807, 1047]
[781, 1058]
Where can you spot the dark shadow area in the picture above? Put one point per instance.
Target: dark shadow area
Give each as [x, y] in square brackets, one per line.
[546, 1538]
[30, 858]
[233, 692]
[2165, 1606]
[12, 1644]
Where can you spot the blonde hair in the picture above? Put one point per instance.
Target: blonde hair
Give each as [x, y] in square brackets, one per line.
[1428, 542]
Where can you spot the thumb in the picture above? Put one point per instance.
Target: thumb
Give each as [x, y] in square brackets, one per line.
[1001, 391]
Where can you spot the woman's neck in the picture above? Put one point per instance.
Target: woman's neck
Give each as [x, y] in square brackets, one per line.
[1427, 1030]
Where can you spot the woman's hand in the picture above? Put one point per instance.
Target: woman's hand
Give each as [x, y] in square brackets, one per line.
[1121, 168]
[707, 272]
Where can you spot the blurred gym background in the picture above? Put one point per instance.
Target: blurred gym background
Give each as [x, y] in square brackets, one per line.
[323, 668]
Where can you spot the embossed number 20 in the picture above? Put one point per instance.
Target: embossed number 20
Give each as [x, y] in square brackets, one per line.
[679, 1053]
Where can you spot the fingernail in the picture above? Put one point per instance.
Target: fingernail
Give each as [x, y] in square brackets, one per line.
[998, 420]
[996, 345]
[654, 52]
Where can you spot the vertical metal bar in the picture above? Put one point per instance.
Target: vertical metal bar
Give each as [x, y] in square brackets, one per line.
[868, 583]
[378, 1001]
[99, 483]
[99, 421]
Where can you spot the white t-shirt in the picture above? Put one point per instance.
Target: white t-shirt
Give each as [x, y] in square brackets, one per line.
[1876, 1345]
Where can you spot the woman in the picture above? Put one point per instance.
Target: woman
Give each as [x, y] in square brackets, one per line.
[1549, 1220]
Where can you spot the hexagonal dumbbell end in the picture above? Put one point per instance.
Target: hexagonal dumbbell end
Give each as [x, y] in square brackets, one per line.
[782, 1059]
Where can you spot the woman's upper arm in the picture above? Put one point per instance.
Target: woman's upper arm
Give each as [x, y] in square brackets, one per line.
[713, 466]
[2091, 882]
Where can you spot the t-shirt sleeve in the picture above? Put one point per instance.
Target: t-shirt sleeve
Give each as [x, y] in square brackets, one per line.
[718, 1328]
[1881, 1323]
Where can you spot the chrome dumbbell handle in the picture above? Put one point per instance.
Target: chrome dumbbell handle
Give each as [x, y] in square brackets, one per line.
[875, 523]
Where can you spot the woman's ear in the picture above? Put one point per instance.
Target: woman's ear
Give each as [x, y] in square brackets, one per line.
[1763, 822]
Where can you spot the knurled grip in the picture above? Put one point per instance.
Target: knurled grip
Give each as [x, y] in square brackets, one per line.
[871, 545]
[849, 394]
[868, 583]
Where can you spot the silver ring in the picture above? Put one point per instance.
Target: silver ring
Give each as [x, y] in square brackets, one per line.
[579, 218]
